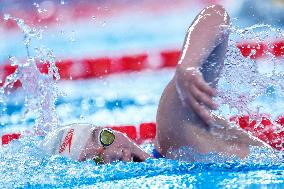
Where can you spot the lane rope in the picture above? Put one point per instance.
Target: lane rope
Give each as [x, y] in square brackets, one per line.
[261, 126]
[98, 67]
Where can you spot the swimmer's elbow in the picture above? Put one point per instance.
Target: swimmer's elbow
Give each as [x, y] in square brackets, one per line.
[219, 12]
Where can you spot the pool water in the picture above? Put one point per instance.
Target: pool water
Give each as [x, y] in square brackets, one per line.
[23, 164]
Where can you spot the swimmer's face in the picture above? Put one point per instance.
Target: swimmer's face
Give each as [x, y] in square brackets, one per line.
[122, 149]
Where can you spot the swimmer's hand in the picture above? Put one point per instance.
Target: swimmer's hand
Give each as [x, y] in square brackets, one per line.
[205, 44]
[195, 93]
[122, 149]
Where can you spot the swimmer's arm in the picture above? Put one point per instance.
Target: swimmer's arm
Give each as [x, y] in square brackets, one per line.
[203, 37]
[233, 132]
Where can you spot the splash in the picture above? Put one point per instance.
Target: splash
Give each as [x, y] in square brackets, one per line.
[40, 90]
[24, 165]
[245, 79]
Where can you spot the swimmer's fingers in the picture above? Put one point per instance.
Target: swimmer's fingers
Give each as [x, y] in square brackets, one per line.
[107, 158]
[203, 86]
[203, 98]
[200, 110]
[139, 154]
[126, 155]
[115, 155]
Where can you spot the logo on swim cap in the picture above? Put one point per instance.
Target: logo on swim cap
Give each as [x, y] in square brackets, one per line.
[67, 141]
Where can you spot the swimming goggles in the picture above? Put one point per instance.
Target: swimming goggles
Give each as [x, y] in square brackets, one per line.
[106, 138]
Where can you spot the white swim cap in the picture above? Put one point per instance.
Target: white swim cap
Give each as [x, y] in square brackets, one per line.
[69, 140]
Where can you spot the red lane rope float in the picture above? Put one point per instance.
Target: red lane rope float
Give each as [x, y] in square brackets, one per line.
[262, 127]
[98, 67]
[89, 67]
[259, 50]
[54, 15]
[6, 138]
[270, 132]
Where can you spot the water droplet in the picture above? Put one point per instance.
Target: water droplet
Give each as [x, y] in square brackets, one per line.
[72, 36]
[106, 9]
[100, 102]
[6, 17]
[104, 24]
[36, 5]
[253, 52]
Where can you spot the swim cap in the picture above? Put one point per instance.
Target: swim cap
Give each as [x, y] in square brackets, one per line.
[68, 141]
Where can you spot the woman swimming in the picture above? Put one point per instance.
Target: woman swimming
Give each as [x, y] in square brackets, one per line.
[183, 117]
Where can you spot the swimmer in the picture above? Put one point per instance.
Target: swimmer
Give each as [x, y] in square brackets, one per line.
[184, 116]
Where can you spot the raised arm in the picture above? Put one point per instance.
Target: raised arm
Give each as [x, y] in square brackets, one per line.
[202, 60]
[184, 118]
